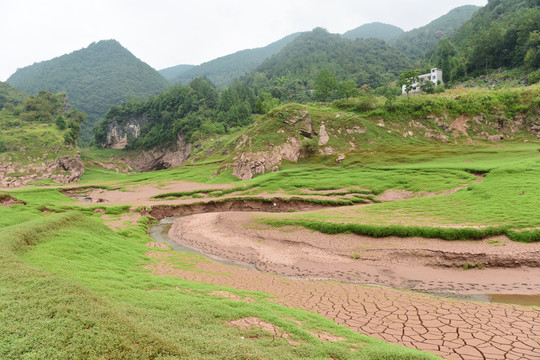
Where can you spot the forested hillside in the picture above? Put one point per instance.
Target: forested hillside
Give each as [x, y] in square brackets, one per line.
[223, 70]
[95, 78]
[417, 42]
[290, 75]
[503, 34]
[8, 94]
[375, 30]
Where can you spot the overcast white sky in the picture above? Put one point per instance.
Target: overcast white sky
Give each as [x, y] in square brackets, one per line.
[165, 33]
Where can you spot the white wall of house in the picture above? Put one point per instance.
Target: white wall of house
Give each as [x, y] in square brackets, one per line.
[435, 76]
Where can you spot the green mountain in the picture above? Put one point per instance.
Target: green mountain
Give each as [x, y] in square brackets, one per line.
[95, 78]
[375, 30]
[416, 42]
[8, 94]
[173, 72]
[503, 34]
[291, 74]
[223, 70]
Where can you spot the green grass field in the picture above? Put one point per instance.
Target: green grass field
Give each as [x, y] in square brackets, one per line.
[507, 198]
[71, 288]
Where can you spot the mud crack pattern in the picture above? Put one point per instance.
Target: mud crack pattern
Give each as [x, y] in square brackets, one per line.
[449, 328]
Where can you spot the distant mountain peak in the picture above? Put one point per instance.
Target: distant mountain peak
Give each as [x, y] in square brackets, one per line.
[375, 30]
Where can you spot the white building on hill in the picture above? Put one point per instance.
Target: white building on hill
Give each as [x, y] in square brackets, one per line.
[435, 76]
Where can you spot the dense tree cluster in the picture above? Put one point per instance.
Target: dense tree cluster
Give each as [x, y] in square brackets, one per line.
[503, 34]
[375, 30]
[192, 111]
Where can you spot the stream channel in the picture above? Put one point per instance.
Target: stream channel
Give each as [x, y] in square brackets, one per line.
[160, 232]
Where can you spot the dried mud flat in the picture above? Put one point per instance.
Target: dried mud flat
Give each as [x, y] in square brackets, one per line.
[450, 328]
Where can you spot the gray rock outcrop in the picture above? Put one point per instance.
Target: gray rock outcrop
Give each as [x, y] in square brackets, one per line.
[249, 164]
[64, 170]
[118, 134]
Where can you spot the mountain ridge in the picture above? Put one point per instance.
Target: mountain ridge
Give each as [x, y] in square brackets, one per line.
[375, 30]
[224, 69]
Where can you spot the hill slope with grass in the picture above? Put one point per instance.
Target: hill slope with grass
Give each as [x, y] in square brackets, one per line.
[95, 78]
[38, 141]
[293, 131]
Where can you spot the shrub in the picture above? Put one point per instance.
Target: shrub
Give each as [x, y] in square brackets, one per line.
[309, 146]
[60, 122]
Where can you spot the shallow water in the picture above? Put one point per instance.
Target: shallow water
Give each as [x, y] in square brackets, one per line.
[516, 299]
[160, 232]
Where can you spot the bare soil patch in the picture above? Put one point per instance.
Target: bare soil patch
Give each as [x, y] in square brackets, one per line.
[137, 195]
[8, 200]
[252, 321]
[237, 204]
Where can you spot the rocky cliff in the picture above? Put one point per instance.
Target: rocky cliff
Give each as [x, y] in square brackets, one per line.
[118, 134]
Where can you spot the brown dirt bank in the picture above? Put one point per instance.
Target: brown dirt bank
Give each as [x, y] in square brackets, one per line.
[418, 264]
[8, 200]
[235, 204]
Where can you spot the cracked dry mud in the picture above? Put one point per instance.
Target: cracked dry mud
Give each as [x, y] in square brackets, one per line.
[449, 328]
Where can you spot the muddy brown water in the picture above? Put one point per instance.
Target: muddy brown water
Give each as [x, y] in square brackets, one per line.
[160, 232]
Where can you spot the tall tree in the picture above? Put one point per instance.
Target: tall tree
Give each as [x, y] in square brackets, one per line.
[348, 89]
[408, 78]
[326, 84]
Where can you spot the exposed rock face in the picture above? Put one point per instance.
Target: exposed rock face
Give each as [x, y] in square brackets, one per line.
[304, 119]
[71, 165]
[534, 129]
[64, 169]
[118, 134]
[158, 159]
[323, 135]
[248, 164]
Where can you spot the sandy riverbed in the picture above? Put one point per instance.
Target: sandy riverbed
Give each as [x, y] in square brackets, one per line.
[418, 264]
